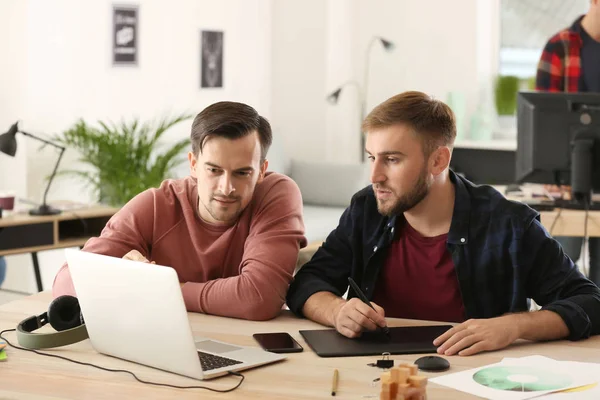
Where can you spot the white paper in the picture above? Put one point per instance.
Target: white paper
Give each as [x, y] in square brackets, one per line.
[590, 370]
[524, 376]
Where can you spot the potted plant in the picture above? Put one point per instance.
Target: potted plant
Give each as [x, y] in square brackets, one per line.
[507, 87]
[125, 158]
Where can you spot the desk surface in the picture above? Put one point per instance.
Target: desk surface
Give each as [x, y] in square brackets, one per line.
[302, 376]
[571, 222]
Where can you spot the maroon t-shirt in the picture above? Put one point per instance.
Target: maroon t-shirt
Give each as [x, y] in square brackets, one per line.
[418, 280]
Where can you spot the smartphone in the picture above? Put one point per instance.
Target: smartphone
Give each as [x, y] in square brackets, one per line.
[278, 342]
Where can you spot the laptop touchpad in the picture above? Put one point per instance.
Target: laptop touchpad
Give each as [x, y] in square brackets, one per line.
[215, 347]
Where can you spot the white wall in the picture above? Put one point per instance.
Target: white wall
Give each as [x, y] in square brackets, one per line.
[68, 75]
[13, 170]
[317, 46]
[78, 80]
[436, 48]
[298, 77]
[12, 84]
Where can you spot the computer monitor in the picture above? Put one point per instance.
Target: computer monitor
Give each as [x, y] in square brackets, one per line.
[558, 141]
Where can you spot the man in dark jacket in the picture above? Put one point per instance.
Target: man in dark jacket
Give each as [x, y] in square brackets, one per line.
[425, 243]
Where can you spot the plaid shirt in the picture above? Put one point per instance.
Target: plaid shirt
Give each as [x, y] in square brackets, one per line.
[502, 254]
[559, 69]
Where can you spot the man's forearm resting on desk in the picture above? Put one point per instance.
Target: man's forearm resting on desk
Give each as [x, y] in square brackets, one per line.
[240, 297]
[477, 335]
[321, 306]
[260, 301]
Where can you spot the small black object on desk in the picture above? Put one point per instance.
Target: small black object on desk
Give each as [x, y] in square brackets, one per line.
[384, 363]
[432, 364]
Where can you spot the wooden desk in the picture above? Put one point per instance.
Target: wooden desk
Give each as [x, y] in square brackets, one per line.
[571, 222]
[302, 376]
[24, 233]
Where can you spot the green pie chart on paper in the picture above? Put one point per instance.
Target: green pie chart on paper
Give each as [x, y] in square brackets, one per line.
[521, 379]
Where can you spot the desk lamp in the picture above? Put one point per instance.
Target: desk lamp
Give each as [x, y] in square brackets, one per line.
[8, 145]
[362, 94]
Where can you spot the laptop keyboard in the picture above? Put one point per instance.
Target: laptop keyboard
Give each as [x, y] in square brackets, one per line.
[210, 361]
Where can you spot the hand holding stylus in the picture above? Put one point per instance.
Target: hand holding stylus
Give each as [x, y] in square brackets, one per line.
[354, 316]
[364, 299]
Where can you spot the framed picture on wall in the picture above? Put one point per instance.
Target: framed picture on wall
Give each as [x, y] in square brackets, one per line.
[125, 35]
[211, 59]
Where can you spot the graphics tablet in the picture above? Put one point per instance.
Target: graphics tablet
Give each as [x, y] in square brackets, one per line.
[403, 340]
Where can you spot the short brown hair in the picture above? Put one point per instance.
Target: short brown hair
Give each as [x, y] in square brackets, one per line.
[230, 120]
[432, 120]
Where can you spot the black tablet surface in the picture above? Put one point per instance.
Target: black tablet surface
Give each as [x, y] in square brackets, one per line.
[403, 340]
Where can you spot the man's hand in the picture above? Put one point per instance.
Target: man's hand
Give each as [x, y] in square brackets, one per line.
[135, 255]
[351, 317]
[477, 335]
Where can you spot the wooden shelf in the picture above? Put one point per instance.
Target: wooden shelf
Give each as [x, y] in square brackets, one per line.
[24, 233]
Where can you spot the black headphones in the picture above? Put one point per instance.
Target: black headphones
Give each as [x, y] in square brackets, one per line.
[64, 315]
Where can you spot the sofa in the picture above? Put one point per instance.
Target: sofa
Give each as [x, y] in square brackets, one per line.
[326, 188]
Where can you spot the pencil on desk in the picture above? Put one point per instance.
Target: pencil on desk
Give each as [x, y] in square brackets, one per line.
[334, 384]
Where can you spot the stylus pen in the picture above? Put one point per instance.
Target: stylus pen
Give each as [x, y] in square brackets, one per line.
[364, 299]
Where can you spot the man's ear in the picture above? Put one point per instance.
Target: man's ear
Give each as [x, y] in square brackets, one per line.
[263, 170]
[193, 161]
[440, 160]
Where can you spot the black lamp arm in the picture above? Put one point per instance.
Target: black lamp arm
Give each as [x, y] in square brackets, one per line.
[42, 140]
[62, 150]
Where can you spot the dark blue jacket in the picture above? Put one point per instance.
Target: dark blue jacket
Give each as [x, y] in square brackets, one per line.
[502, 254]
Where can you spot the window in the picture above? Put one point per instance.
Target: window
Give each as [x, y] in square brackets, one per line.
[526, 26]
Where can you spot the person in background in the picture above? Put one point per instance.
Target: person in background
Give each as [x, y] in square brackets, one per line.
[570, 62]
[2, 269]
[424, 243]
[231, 230]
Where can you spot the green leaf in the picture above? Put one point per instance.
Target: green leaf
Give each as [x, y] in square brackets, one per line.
[506, 90]
[125, 158]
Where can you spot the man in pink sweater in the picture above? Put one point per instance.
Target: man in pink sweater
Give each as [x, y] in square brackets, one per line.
[231, 230]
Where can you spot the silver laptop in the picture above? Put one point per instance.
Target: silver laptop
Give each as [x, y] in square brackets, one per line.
[135, 311]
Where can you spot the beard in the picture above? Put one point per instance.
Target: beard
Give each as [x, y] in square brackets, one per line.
[404, 203]
[222, 213]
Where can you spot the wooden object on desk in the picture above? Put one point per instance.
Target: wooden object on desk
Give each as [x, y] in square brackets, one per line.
[23, 233]
[302, 376]
[404, 383]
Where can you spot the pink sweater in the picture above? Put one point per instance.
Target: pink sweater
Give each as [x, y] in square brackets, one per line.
[239, 271]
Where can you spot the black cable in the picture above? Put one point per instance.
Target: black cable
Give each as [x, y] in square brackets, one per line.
[123, 370]
[586, 246]
[555, 220]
